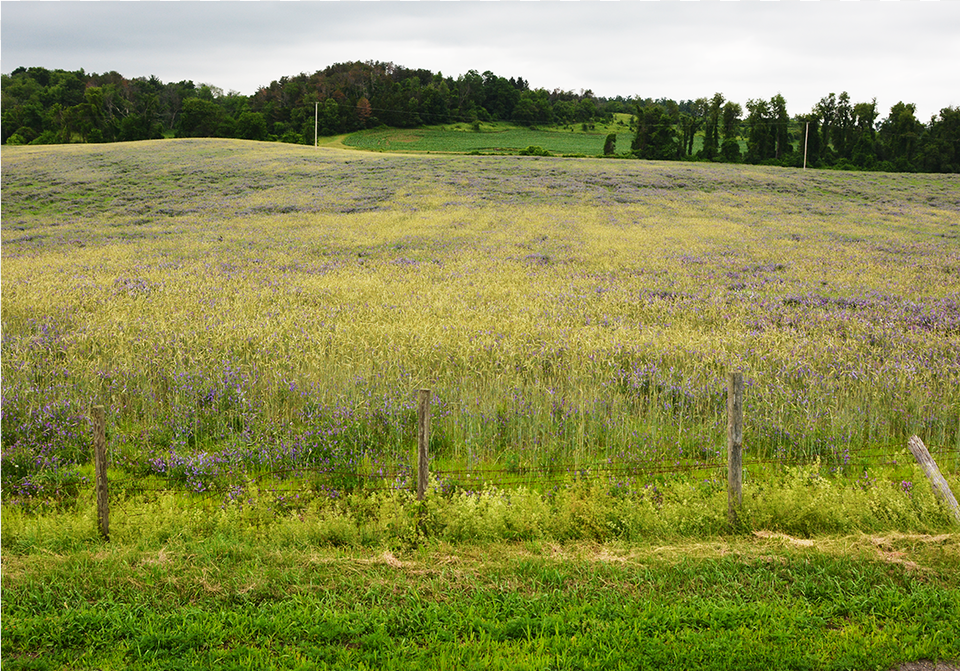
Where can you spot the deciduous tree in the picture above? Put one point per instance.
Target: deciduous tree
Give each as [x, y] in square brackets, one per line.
[655, 138]
[711, 134]
[781, 126]
[940, 149]
[199, 118]
[899, 136]
[730, 120]
[761, 144]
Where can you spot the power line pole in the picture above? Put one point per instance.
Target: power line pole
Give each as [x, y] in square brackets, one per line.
[316, 116]
[806, 134]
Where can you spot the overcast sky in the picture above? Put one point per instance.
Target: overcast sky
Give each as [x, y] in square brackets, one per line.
[888, 50]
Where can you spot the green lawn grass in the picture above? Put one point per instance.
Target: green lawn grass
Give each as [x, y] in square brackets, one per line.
[220, 602]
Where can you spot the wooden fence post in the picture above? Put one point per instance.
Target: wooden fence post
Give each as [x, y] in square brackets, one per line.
[100, 469]
[940, 487]
[734, 446]
[423, 441]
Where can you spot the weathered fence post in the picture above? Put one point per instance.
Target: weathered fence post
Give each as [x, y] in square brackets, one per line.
[100, 470]
[423, 440]
[940, 487]
[734, 446]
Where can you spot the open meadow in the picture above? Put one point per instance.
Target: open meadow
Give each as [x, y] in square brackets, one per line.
[257, 318]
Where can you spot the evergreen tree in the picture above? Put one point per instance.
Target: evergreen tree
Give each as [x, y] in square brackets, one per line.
[610, 145]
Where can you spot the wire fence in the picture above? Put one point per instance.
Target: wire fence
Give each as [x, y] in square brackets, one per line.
[232, 484]
[335, 483]
[281, 487]
[486, 476]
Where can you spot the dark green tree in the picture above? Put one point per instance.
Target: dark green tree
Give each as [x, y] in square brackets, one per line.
[329, 121]
[565, 111]
[780, 126]
[711, 133]
[469, 95]
[730, 150]
[533, 108]
[826, 111]
[251, 126]
[199, 118]
[761, 140]
[688, 130]
[525, 112]
[841, 135]
[940, 148]
[864, 135]
[499, 96]
[433, 103]
[730, 120]
[656, 138]
[610, 145]
[586, 110]
[899, 137]
[691, 118]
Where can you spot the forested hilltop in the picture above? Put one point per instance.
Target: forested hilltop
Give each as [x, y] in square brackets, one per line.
[43, 106]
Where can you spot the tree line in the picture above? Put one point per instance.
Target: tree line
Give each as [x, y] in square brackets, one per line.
[41, 106]
[836, 133]
[55, 106]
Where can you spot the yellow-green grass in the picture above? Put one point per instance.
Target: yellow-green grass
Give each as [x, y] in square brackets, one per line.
[232, 298]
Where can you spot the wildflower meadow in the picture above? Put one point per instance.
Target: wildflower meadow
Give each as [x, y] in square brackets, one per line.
[242, 308]
[257, 319]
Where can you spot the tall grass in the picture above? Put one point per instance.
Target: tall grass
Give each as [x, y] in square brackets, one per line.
[240, 306]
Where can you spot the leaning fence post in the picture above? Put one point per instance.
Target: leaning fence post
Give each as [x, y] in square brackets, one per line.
[100, 469]
[940, 487]
[423, 440]
[734, 446]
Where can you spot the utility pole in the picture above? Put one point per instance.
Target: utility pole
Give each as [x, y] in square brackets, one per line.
[806, 134]
[316, 117]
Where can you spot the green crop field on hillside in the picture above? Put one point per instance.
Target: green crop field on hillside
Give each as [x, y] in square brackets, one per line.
[501, 139]
[258, 318]
[490, 139]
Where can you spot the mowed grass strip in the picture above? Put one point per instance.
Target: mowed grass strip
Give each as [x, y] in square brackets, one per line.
[767, 601]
